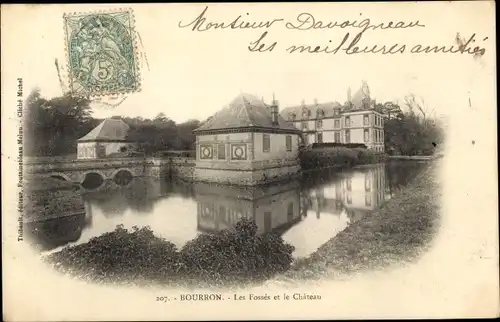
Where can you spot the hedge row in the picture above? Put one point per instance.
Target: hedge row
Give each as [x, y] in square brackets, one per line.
[339, 156]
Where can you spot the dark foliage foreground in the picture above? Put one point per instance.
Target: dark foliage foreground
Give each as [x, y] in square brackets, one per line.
[234, 255]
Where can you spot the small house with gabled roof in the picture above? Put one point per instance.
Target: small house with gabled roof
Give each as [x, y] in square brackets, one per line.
[247, 142]
[108, 137]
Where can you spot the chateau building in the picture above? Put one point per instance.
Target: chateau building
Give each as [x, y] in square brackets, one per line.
[356, 121]
[248, 143]
[106, 138]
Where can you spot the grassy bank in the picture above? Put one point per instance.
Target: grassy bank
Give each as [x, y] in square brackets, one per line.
[48, 198]
[398, 231]
[311, 159]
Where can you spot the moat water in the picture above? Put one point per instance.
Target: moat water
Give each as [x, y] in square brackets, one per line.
[306, 212]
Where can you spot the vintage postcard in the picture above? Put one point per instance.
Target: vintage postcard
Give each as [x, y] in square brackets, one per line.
[249, 161]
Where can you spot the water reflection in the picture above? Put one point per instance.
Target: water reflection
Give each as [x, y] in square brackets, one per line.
[306, 213]
[273, 208]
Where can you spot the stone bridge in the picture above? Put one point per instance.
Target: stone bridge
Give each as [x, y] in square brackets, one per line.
[120, 170]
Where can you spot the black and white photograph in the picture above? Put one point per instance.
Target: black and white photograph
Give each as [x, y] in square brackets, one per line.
[248, 161]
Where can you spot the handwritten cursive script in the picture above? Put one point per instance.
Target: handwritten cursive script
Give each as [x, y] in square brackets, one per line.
[200, 24]
[352, 47]
[349, 44]
[306, 21]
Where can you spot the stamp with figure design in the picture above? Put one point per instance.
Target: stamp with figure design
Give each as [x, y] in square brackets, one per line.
[101, 53]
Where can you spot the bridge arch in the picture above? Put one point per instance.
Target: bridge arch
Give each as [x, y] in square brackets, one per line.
[122, 176]
[60, 176]
[92, 179]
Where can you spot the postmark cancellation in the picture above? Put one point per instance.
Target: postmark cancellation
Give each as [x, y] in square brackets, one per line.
[102, 53]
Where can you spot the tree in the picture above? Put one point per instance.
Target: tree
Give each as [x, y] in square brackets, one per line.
[54, 125]
[414, 131]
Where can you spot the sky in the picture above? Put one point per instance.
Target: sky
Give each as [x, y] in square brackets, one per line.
[191, 75]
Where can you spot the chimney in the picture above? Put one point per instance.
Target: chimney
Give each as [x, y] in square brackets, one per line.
[274, 111]
[349, 94]
[303, 103]
[315, 101]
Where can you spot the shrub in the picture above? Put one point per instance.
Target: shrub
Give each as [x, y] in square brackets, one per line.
[120, 255]
[236, 254]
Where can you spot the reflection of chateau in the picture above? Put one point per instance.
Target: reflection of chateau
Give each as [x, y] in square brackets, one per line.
[357, 194]
[274, 208]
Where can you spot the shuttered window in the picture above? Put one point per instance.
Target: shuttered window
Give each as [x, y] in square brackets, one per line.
[288, 143]
[266, 143]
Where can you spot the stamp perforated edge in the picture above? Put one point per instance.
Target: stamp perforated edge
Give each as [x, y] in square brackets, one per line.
[134, 45]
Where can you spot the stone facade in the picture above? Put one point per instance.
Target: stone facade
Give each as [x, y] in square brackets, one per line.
[247, 143]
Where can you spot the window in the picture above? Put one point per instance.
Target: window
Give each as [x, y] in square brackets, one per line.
[366, 135]
[267, 222]
[337, 124]
[266, 143]
[347, 136]
[221, 152]
[320, 113]
[366, 120]
[290, 211]
[347, 121]
[337, 137]
[320, 137]
[319, 124]
[336, 111]
[288, 143]
[291, 117]
[304, 126]
[349, 184]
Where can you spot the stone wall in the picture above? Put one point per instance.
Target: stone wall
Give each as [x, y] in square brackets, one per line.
[171, 167]
[239, 177]
[182, 168]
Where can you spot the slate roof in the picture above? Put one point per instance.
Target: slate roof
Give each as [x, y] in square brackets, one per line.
[108, 130]
[328, 109]
[245, 111]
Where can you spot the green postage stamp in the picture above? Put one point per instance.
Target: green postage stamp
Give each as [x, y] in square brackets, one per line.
[101, 52]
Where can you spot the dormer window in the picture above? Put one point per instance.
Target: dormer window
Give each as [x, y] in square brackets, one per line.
[336, 111]
[292, 116]
[320, 113]
[306, 113]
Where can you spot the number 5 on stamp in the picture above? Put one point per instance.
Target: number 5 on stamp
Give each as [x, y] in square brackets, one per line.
[101, 52]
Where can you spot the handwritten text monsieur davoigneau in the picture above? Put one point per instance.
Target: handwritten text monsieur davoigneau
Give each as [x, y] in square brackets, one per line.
[349, 44]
